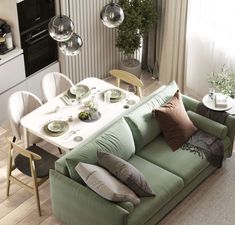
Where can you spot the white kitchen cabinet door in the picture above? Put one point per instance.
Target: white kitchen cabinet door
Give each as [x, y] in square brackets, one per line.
[11, 73]
[4, 101]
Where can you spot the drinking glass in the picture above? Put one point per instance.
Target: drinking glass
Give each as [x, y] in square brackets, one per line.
[78, 95]
[131, 91]
[211, 93]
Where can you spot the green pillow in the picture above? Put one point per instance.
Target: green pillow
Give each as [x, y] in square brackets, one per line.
[71, 164]
[117, 140]
[141, 122]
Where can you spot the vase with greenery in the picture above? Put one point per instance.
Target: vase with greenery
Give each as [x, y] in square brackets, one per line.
[223, 81]
[140, 17]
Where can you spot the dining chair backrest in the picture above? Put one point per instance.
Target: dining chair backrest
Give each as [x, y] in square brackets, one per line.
[20, 150]
[25, 161]
[53, 84]
[20, 104]
[128, 78]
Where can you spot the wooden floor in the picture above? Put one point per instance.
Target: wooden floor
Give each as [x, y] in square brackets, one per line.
[20, 208]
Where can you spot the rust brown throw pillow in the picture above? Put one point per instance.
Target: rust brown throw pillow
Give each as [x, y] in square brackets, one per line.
[174, 122]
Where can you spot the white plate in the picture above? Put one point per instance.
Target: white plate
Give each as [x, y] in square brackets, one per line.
[210, 103]
[83, 89]
[57, 126]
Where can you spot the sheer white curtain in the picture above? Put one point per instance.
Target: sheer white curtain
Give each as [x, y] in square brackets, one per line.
[210, 41]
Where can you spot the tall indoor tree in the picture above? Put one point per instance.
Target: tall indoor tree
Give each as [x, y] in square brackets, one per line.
[140, 17]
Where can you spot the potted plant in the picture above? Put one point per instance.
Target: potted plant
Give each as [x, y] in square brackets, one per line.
[223, 81]
[140, 16]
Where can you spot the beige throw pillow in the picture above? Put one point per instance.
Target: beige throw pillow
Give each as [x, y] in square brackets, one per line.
[104, 184]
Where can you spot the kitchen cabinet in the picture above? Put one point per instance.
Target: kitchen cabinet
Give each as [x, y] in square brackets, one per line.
[12, 69]
[32, 84]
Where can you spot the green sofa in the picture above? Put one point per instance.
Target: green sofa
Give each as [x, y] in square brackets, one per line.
[137, 138]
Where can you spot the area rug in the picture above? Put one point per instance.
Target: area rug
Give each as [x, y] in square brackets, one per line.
[212, 203]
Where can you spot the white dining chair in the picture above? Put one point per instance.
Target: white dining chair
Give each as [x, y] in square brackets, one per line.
[53, 84]
[20, 104]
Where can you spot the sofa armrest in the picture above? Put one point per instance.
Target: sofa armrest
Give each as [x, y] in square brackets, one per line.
[190, 103]
[74, 203]
[216, 129]
[230, 123]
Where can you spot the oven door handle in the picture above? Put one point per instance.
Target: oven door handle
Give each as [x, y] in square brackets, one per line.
[39, 33]
[32, 42]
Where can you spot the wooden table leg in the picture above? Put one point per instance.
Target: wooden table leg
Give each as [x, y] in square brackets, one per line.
[26, 137]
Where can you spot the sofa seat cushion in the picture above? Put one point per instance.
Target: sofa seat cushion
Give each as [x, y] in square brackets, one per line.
[182, 163]
[165, 184]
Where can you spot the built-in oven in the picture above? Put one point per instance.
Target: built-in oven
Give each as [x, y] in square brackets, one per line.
[39, 48]
[34, 12]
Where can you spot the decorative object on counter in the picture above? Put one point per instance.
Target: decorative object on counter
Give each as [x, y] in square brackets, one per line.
[6, 42]
[9, 41]
[61, 28]
[223, 81]
[112, 15]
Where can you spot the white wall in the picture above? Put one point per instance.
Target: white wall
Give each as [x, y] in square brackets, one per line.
[8, 12]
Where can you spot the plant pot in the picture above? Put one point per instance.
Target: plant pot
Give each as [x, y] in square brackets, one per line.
[132, 66]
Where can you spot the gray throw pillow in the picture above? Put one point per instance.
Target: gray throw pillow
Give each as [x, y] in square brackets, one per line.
[104, 184]
[126, 173]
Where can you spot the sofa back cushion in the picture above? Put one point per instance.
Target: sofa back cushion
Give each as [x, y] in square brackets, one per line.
[117, 140]
[144, 128]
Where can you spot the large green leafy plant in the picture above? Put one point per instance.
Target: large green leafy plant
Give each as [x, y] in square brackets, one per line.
[223, 81]
[140, 16]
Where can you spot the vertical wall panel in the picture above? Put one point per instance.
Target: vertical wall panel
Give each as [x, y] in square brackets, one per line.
[98, 54]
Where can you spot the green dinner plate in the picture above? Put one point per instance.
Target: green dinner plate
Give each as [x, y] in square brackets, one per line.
[82, 89]
[56, 128]
[116, 95]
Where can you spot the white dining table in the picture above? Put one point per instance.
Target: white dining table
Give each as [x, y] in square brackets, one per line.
[57, 109]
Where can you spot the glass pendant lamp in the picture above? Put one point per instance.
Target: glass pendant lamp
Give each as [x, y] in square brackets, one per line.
[61, 27]
[72, 46]
[112, 15]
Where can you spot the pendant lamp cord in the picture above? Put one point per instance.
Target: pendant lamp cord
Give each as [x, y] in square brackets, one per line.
[69, 7]
[60, 8]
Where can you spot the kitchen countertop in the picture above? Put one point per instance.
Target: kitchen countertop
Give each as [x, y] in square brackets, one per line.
[10, 55]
